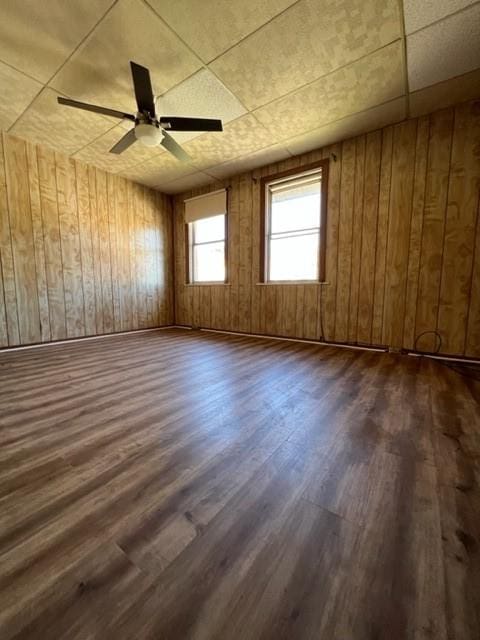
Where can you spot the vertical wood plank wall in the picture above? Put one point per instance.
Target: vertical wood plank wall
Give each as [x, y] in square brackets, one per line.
[403, 244]
[82, 252]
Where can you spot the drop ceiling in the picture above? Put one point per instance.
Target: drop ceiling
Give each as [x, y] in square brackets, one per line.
[285, 76]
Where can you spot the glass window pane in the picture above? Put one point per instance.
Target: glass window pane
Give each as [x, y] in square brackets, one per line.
[210, 229]
[294, 258]
[209, 262]
[295, 208]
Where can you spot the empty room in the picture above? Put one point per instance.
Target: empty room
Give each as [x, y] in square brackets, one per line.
[239, 320]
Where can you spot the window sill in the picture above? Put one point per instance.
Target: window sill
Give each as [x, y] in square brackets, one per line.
[275, 283]
[208, 284]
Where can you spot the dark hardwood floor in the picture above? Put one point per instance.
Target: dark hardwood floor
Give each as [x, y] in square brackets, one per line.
[175, 485]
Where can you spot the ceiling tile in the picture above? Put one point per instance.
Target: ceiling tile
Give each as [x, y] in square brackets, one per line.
[17, 93]
[348, 127]
[67, 130]
[420, 14]
[249, 162]
[99, 71]
[198, 179]
[98, 152]
[161, 168]
[305, 43]
[36, 37]
[370, 81]
[446, 49]
[240, 137]
[445, 94]
[228, 22]
[202, 96]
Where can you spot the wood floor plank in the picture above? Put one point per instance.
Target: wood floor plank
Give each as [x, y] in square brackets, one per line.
[183, 484]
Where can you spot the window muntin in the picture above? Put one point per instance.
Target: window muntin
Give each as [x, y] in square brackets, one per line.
[293, 227]
[207, 249]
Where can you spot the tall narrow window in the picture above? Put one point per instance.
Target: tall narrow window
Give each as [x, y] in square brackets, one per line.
[206, 225]
[207, 255]
[295, 225]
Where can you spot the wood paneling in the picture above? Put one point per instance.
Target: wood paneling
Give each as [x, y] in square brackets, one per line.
[70, 244]
[344, 255]
[97, 271]
[381, 237]
[357, 237]
[21, 234]
[435, 209]
[8, 306]
[84, 252]
[173, 485]
[53, 250]
[403, 254]
[80, 249]
[458, 301]
[86, 247]
[398, 232]
[367, 234]
[416, 227]
[38, 241]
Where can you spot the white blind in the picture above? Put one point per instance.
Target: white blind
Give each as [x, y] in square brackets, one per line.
[210, 204]
[298, 187]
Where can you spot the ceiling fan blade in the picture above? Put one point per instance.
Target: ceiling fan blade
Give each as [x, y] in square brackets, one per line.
[92, 107]
[143, 89]
[190, 124]
[175, 149]
[126, 141]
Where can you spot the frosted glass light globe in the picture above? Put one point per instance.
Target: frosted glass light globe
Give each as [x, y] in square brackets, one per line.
[148, 134]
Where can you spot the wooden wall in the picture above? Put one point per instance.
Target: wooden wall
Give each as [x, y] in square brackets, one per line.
[403, 244]
[82, 252]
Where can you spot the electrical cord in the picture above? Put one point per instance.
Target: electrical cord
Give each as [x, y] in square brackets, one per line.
[424, 333]
[469, 370]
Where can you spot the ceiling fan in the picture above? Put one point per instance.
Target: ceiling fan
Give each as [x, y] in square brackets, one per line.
[149, 129]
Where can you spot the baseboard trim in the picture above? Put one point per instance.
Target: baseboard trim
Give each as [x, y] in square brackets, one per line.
[303, 340]
[340, 345]
[461, 360]
[55, 343]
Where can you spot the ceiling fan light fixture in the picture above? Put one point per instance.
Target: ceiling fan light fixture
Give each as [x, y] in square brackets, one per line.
[148, 134]
[148, 129]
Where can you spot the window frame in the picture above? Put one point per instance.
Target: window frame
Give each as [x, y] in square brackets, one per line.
[189, 244]
[265, 198]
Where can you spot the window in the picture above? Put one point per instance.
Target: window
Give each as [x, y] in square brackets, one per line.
[207, 249]
[294, 225]
[206, 226]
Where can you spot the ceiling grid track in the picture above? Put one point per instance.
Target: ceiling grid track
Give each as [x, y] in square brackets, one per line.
[285, 77]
